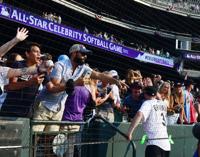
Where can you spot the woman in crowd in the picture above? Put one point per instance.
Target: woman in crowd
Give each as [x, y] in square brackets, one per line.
[165, 92]
[131, 77]
[176, 107]
[147, 82]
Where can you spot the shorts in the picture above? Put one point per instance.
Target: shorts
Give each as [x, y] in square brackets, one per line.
[43, 113]
[109, 116]
[155, 151]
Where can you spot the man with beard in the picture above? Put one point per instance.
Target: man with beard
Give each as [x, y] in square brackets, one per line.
[65, 75]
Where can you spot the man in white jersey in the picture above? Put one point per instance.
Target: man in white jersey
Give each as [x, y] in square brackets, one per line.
[153, 116]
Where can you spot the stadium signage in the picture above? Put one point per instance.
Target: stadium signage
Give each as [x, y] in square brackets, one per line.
[192, 56]
[17, 15]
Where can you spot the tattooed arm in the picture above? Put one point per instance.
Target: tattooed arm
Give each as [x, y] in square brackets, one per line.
[23, 71]
[14, 73]
[21, 35]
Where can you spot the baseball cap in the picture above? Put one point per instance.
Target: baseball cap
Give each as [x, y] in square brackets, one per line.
[136, 85]
[150, 90]
[79, 48]
[113, 73]
[49, 63]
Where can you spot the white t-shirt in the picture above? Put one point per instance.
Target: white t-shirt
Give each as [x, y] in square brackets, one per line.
[3, 81]
[115, 91]
[155, 124]
[3, 75]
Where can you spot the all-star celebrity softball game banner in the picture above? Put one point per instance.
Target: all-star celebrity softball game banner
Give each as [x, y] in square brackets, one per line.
[23, 17]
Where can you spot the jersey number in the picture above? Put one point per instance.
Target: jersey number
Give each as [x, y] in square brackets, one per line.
[163, 119]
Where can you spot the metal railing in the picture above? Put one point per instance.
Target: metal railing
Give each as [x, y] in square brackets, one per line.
[94, 135]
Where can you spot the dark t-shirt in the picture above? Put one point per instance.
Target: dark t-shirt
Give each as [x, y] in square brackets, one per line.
[133, 105]
[19, 103]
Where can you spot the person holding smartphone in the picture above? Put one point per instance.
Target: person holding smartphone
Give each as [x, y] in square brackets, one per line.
[21, 91]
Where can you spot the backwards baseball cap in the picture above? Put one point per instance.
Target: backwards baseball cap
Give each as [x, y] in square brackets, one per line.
[150, 90]
[80, 48]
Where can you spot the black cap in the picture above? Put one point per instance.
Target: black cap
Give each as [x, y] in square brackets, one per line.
[136, 85]
[150, 90]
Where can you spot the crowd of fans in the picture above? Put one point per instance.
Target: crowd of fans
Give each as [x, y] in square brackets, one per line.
[188, 6]
[47, 88]
[69, 90]
[139, 47]
[52, 17]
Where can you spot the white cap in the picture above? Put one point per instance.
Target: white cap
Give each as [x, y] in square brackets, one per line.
[49, 63]
[113, 73]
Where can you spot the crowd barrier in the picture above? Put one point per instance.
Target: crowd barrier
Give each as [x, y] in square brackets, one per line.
[97, 138]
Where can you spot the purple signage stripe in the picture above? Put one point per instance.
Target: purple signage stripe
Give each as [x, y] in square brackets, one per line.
[23, 17]
[192, 56]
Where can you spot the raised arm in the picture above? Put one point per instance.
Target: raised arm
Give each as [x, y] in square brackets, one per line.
[21, 35]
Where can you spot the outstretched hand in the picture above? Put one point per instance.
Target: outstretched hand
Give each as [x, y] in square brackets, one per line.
[22, 34]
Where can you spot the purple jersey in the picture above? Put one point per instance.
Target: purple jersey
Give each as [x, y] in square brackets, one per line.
[76, 103]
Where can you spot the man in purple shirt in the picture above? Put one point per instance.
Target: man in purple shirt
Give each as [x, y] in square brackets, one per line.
[74, 108]
[76, 103]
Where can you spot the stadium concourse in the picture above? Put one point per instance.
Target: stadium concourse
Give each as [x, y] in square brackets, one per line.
[105, 62]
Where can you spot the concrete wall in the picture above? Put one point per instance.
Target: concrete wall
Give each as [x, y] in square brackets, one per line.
[16, 131]
[184, 143]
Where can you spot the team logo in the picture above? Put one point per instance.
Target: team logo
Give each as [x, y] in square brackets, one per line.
[5, 11]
